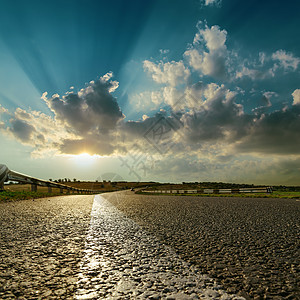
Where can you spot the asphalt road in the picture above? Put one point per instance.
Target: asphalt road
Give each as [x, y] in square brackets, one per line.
[41, 246]
[251, 246]
[144, 247]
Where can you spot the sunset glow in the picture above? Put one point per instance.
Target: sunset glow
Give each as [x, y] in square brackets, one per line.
[164, 90]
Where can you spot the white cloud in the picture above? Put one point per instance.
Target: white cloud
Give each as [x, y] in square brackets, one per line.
[270, 94]
[286, 60]
[195, 59]
[264, 103]
[146, 101]
[266, 66]
[171, 73]
[172, 97]
[164, 51]
[214, 37]
[262, 57]
[3, 110]
[255, 74]
[296, 96]
[214, 61]
[214, 91]
[212, 2]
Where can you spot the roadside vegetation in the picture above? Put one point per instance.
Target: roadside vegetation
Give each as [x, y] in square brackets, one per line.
[15, 191]
[20, 195]
[287, 192]
[23, 191]
[284, 195]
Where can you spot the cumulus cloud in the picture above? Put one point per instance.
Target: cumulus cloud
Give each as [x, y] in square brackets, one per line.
[296, 96]
[219, 118]
[171, 73]
[83, 122]
[203, 115]
[31, 128]
[92, 110]
[273, 133]
[209, 119]
[266, 66]
[214, 60]
[21, 130]
[161, 121]
[213, 37]
[209, 115]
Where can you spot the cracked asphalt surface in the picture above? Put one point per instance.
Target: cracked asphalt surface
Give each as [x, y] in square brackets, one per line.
[41, 246]
[250, 246]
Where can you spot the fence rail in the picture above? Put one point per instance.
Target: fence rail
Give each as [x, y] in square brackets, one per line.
[9, 175]
[213, 191]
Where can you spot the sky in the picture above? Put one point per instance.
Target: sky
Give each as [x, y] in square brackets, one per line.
[157, 90]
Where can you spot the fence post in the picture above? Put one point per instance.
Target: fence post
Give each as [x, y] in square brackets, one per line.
[33, 187]
[61, 190]
[3, 175]
[49, 189]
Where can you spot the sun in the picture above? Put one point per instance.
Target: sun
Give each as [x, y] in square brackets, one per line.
[84, 155]
[84, 159]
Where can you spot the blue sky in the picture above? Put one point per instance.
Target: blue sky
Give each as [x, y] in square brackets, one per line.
[200, 90]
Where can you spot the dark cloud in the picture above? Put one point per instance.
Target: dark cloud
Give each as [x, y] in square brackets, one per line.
[160, 122]
[220, 119]
[92, 109]
[274, 133]
[89, 145]
[91, 116]
[91, 121]
[21, 130]
[290, 168]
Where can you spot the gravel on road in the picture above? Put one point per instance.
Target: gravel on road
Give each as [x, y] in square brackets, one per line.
[249, 245]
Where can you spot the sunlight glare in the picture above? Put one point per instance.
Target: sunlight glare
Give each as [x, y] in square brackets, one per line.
[84, 158]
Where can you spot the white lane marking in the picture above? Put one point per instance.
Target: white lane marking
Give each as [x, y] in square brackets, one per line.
[122, 261]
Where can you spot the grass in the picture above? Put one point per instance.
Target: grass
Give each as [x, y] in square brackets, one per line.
[23, 195]
[23, 191]
[276, 194]
[289, 195]
[13, 192]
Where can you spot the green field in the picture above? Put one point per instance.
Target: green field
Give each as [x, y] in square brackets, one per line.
[23, 195]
